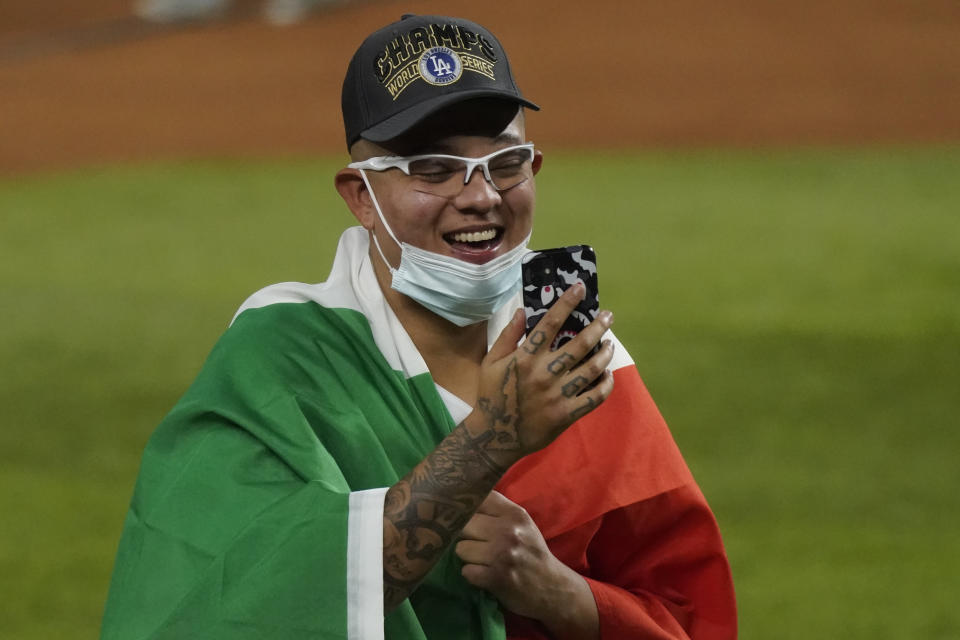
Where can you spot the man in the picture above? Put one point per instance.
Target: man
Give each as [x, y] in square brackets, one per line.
[387, 443]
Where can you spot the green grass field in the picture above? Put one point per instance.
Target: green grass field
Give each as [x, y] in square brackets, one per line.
[795, 314]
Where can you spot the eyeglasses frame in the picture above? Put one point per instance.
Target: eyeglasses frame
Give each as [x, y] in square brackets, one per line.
[384, 163]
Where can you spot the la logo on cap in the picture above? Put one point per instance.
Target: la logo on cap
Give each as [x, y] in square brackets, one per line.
[440, 66]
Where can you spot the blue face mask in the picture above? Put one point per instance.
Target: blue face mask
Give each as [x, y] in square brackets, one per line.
[462, 292]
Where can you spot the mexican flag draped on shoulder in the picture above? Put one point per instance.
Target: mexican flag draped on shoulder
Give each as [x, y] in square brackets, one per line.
[258, 511]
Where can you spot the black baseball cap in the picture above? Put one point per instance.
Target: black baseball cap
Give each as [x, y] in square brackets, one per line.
[416, 66]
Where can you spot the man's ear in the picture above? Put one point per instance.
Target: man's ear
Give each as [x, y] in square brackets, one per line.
[537, 161]
[351, 187]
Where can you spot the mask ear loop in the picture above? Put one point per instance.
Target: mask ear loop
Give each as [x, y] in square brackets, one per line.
[376, 205]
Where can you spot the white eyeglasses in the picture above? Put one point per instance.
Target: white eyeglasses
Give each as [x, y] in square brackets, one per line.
[435, 173]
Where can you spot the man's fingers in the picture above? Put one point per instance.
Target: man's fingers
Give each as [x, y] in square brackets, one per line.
[596, 364]
[546, 330]
[480, 527]
[495, 504]
[474, 552]
[588, 371]
[590, 400]
[581, 345]
[509, 337]
[477, 575]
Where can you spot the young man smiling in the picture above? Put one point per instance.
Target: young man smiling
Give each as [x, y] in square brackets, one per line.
[383, 454]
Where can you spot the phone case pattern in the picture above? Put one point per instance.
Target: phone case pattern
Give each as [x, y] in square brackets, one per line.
[547, 274]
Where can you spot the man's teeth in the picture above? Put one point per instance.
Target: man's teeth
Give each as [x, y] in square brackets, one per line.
[475, 236]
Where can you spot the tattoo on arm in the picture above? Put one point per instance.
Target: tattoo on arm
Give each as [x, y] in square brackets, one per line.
[427, 509]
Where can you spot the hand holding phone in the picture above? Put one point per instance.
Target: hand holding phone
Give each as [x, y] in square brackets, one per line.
[528, 394]
[550, 272]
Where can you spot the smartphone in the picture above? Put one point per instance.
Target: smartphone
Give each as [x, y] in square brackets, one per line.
[550, 272]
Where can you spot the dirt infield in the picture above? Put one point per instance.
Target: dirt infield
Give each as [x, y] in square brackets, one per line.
[93, 85]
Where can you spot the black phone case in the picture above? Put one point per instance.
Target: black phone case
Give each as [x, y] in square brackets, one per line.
[550, 272]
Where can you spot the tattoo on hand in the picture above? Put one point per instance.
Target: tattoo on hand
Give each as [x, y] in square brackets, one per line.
[561, 363]
[584, 409]
[534, 341]
[573, 387]
[503, 414]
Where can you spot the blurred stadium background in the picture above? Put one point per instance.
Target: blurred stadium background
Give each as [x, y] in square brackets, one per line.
[772, 189]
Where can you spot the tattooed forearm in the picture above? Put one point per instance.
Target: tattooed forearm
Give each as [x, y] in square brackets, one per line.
[460, 458]
[427, 509]
[424, 512]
